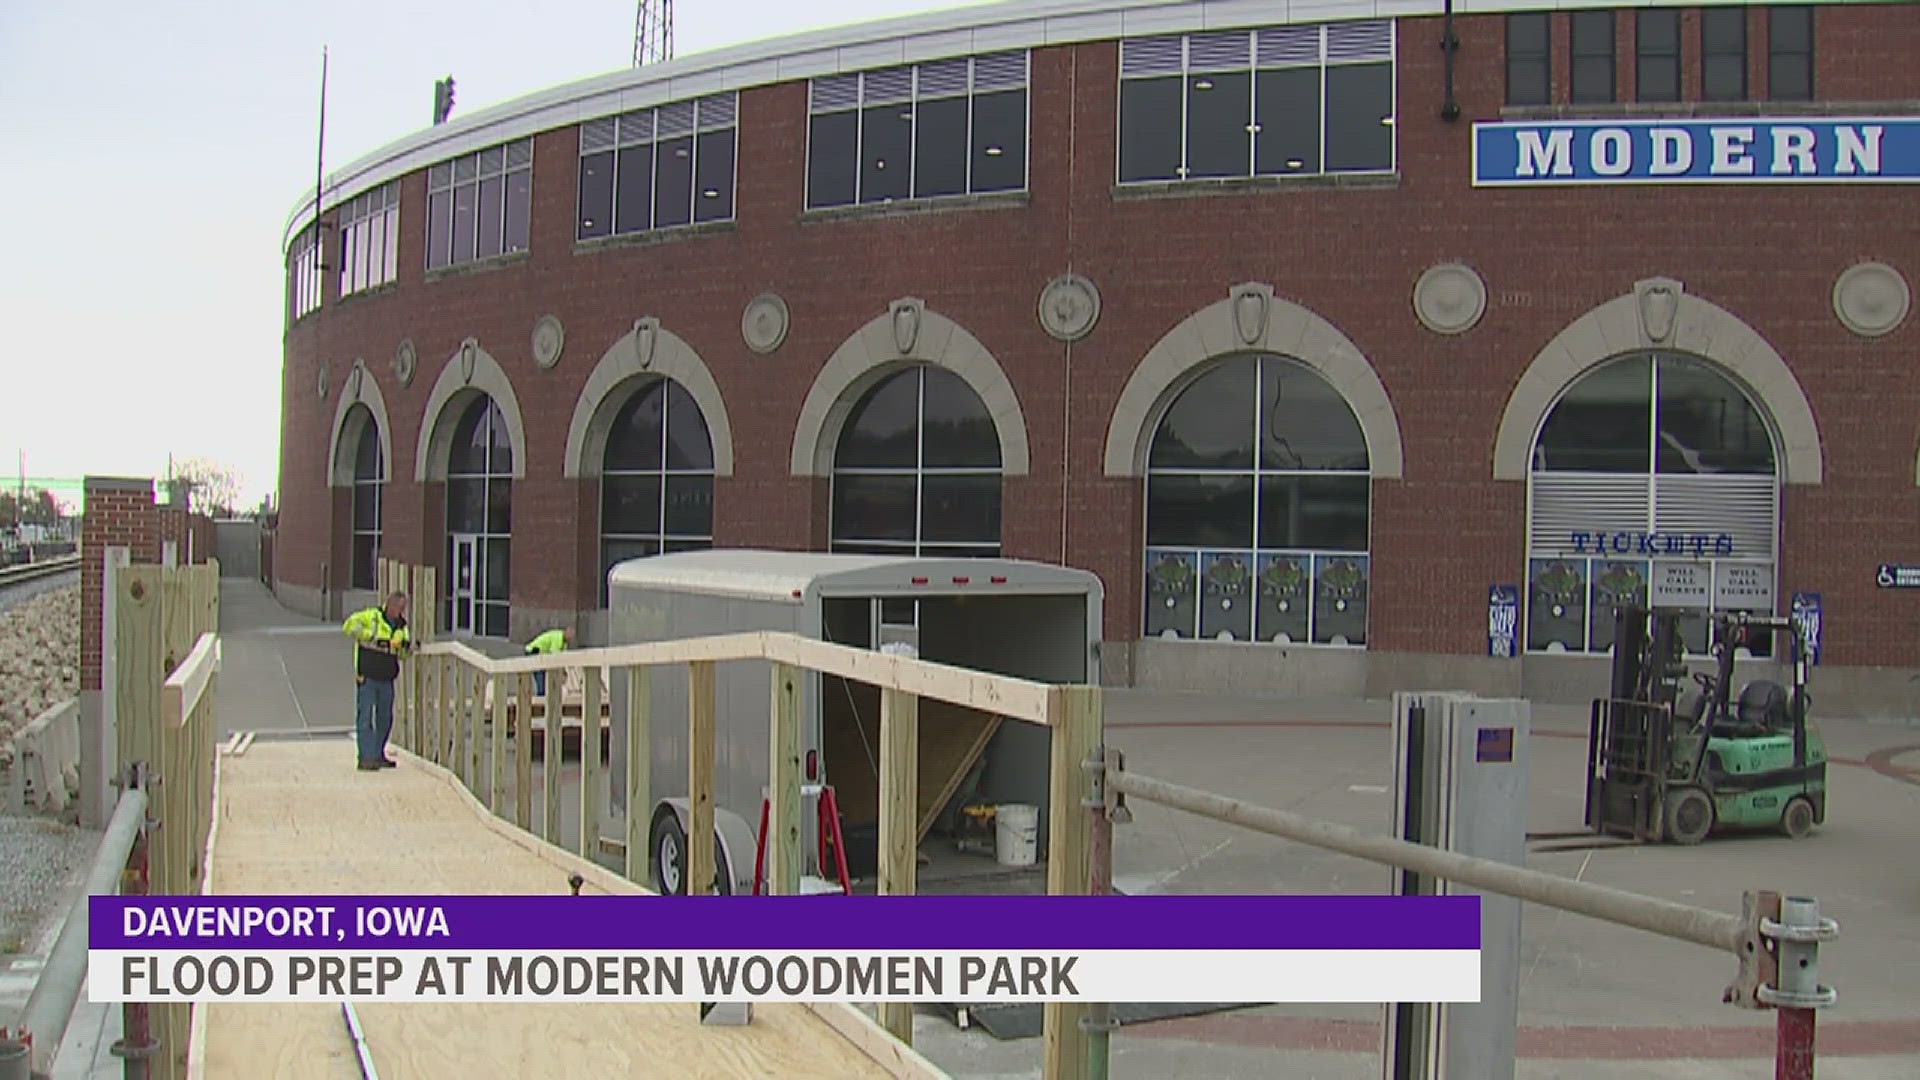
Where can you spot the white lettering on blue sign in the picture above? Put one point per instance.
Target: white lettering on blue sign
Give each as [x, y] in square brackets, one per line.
[1884, 150]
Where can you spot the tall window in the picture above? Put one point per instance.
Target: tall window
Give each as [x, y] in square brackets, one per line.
[1723, 54]
[367, 471]
[1529, 61]
[478, 205]
[370, 238]
[1656, 47]
[656, 480]
[1258, 509]
[303, 273]
[917, 469]
[657, 168]
[1653, 481]
[479, 520]
[1790, 53]
[1284, 101]
[1592, 48]
[946, 127]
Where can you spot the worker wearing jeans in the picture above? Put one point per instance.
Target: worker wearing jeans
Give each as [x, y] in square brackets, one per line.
[381, 638]
[547, 644]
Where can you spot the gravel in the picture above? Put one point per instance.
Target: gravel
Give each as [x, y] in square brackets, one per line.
[39, 657]
[42, 863]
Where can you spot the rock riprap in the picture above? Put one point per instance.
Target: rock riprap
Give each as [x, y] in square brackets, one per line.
[39, 658]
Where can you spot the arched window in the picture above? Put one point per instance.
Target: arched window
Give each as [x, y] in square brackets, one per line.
[367, 470]
[479, 520]
[917, 469]
[1654, 481]
[1258, 509]
[656, 479]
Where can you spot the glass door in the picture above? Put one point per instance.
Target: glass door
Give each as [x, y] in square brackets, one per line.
[465, 568]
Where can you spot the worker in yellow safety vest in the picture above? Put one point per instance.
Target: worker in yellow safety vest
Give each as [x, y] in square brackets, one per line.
[381, 638]
[547, 644]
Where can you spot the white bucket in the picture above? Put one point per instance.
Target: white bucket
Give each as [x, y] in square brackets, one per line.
[1016, 834]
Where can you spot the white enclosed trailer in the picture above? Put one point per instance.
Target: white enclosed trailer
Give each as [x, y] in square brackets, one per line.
[1005, 616]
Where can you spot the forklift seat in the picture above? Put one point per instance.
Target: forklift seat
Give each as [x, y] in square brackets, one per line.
[1763, 706]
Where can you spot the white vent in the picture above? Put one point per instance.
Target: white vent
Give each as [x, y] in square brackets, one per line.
[718, 111]
[1592, 504]
[1287, 46]
[491, 159]
[1000, 71]
[1218, 52]
[836, 92]
[945, 78]
[520, 154]
[440, 175]
[596, 135]
[1745, 508]
[675, 119]
[1360, 41]
[1151, 56]
[463, 167]
[885, 85]
[636, 127]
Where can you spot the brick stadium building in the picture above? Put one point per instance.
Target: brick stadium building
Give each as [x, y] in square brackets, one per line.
[1333, 350]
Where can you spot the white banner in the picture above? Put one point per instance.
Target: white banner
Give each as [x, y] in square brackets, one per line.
[1358, 975]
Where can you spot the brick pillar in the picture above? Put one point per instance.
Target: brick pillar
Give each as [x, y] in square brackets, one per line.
[119, 512]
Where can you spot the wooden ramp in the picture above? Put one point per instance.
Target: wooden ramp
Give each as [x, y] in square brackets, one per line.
[296, 817]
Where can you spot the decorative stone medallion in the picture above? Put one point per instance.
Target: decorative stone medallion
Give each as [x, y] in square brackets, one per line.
[1449, 298]
[354, 378]
[405, 361]
[549, 337]
[764, 323]
[469, 357]
[322, 380]
[1871, 299]
[1069, 306]
[905, 313]
[1251, 302]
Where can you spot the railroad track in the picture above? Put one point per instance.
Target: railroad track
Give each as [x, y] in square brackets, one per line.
[16, 582]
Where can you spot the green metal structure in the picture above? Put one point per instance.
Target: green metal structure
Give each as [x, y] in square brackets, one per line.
[1663, 766]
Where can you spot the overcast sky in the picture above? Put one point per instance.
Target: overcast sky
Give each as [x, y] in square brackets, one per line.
[150, 155]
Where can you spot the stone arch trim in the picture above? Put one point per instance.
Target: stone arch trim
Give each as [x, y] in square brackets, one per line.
[358, 388]
[457, 385]
[873, 352]
[1250, 320]
[622, 370]
[1658, 314]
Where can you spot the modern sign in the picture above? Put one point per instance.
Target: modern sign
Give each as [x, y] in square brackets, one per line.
[1898, 577]
[1862, 150]
[1806, 612]
[1503, 621]
[1649, 544]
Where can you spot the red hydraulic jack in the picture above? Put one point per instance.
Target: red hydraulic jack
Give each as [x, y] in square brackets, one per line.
[828, 816]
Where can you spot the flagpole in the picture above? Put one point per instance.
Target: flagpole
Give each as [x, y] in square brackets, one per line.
[319, 166]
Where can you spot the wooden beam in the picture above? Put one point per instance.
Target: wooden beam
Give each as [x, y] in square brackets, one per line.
[552, 751]
[783, 784]
[1075, 716]
[590, 763]
[700, 755]
[497, 767]
[462, 717]
[523, 752]
[476, 714]
[899, 821]
[639, 721]
[443, 723]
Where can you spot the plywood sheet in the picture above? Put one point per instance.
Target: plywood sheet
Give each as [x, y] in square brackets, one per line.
[297, 817]
[952, 738]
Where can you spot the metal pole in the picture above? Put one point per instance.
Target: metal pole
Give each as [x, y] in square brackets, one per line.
[16, 1058]
[50, 1007]
[1698, 926]
[136, 1044]
[1099, 1018]
[1793, 1034]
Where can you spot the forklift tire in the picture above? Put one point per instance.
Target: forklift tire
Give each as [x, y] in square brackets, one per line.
[1797, 821]
[1689, 816]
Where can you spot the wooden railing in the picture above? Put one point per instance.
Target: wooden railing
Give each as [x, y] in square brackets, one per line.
[449, 683]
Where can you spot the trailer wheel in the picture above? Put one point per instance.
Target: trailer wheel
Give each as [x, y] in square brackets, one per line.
[669, 855]
[1797, 820]
[1689, 815]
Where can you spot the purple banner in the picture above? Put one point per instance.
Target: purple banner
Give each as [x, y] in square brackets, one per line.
[549, 923]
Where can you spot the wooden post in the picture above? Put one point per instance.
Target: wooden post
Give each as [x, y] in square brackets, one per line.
[476, 716]
[523, 752]
[444, 723]
[462, 712]
[639, 771]
[1074, 713]
[497, 768]
[700, 755]
[138, 675]
[553, 751]
[783, 784]
[899, 821]
[590, 764]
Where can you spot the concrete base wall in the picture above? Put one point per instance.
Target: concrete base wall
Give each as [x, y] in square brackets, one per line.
[302, 599]
[45, 772]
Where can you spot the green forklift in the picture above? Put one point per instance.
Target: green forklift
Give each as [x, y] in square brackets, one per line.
[1668, 764]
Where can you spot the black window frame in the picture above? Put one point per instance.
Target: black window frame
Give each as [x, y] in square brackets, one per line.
[704, 124]
[464, 177]
[1588, 52]
[1775, 16]
[369, 490]
[1644, 54]
[867, 97]
[491, 612]
[1345, 47]
[1710, 51]
[1543, 21]
[919, 472]
[303, 274]
[664, 472]
[370, 231]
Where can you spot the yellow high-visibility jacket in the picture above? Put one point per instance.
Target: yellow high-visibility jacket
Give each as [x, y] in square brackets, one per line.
[379, 642]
